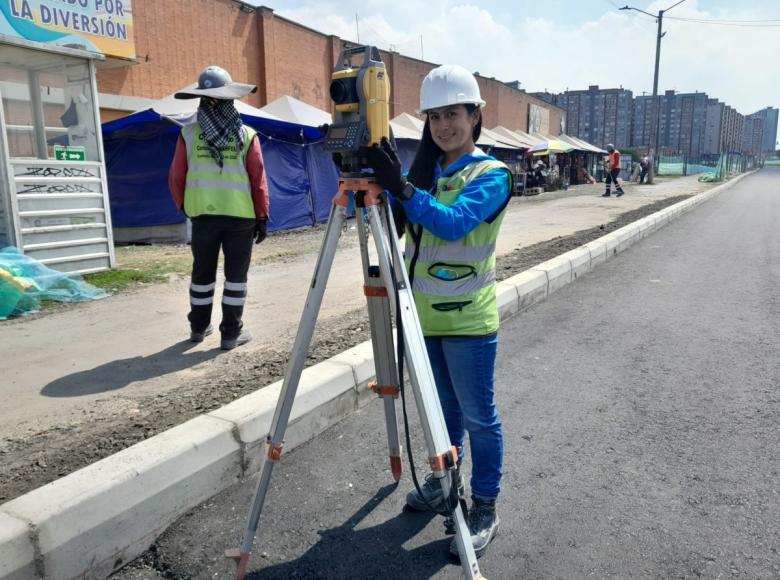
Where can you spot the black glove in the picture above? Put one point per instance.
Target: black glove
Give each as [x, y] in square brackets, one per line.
[261, 230]
[387, 169]
[337, 159]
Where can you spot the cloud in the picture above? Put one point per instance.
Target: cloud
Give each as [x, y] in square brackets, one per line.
[610, 49]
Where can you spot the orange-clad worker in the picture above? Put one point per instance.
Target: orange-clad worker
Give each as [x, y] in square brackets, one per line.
[613, 170]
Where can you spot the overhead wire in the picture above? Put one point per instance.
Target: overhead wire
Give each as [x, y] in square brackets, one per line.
[726, 20]
[755, 23]
[746, 24]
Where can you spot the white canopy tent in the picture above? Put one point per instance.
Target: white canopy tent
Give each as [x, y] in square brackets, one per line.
[406, 126]
[581, 145]
[526, 138]
[494, 139]
[511, 137]
[292, 110]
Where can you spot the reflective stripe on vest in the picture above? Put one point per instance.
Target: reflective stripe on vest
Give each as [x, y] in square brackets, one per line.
[455, 281]
[210, 190]
[452, 251]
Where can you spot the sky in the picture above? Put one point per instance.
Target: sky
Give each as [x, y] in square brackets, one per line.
[558, 44]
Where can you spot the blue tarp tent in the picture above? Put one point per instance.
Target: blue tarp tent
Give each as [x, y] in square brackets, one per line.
[139, 148]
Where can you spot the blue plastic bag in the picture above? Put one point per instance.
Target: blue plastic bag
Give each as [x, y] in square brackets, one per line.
[27, 282]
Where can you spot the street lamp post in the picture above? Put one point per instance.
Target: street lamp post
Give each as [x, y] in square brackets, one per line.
[656, 101]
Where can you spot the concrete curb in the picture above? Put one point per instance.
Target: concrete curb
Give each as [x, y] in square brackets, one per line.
[92, 522]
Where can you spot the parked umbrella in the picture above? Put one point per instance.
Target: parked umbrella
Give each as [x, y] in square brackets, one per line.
[551, 146]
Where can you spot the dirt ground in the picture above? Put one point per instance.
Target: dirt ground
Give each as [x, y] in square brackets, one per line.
[30, 462]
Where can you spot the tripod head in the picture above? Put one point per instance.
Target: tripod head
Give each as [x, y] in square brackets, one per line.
[360, 89]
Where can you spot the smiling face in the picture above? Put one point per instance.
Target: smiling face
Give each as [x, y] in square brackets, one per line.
[452, 130]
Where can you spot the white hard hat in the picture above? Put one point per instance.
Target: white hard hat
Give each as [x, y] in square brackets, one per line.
[449, 84]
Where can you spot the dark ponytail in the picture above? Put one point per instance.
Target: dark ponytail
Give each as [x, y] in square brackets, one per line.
[478, 127]
[423, 169]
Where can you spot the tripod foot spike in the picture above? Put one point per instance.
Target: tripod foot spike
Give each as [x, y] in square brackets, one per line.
[396, 466]
[241, 559]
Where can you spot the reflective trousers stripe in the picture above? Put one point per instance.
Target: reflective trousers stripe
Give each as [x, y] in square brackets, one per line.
[203, 287]
[235, 285]
[201, 301]
[233, 301]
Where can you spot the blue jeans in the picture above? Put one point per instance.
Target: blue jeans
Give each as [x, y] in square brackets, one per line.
[463, 369]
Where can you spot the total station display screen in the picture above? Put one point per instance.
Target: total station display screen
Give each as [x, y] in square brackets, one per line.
[337, 133]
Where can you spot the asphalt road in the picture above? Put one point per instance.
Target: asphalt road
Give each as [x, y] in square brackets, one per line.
[641, 413]
[98, 360]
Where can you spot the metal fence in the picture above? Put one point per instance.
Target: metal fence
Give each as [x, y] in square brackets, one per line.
[715, 169]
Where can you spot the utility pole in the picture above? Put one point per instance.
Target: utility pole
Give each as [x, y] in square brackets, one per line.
[357, 28]
[656, 100]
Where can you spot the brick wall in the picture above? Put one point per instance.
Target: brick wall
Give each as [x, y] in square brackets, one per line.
[175, 40]
[280, 56]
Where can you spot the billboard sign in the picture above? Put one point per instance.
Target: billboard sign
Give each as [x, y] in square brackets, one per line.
[538, 119]
[101, 26]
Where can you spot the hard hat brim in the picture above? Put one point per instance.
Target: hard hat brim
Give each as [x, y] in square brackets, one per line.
[228, 92]
[480, 105]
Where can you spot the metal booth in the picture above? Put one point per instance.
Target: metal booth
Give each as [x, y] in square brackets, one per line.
[53, 195]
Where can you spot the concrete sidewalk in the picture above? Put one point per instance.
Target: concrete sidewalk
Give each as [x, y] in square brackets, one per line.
[100, 358]
[93, 521]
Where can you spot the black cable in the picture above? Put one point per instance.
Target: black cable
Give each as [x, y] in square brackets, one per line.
[400, 352]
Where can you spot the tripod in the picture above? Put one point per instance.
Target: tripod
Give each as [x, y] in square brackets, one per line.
[381, 282]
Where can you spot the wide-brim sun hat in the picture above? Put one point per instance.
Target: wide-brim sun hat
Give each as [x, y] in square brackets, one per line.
[215, 82]
[447, 85]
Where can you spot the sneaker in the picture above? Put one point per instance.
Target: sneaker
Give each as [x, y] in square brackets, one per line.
[199, 336]
[605, 194]
[432, 496]
[619, 193]
[231, 343]
[483, 525]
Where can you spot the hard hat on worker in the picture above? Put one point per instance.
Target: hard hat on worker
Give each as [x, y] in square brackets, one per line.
[449, 84]
[610, 147]
[216, 82]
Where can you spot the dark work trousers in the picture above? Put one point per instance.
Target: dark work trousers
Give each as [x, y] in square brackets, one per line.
[643, 175]
[234, 236]
[612, 177]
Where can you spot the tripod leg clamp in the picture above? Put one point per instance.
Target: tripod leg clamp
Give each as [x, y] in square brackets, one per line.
[444, 461]
[375, 291]
[383, 390]
[274, 452]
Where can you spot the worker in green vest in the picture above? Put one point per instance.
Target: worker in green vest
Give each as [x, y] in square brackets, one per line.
[218, 179]
[454, 198]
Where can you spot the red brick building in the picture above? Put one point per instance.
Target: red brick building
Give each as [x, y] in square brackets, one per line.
[176, 40]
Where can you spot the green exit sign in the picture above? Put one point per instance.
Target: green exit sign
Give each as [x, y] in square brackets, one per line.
[70, 153]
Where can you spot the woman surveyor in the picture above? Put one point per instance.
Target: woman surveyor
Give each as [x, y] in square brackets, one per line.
[454, 199]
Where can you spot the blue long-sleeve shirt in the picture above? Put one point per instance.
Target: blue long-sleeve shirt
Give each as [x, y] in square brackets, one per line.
[480, 200]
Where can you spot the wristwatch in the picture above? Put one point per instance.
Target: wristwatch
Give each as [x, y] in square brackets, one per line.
[407, 192]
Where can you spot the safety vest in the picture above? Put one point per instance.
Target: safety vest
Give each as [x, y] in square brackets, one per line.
[455, 281]
[614, 159]
[210, 190]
